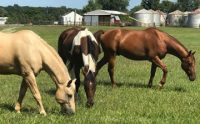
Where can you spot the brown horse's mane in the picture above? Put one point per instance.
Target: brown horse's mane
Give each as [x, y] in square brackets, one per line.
[167, 34]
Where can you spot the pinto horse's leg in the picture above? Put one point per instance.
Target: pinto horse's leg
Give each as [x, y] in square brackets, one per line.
[153, 71]
[29, 77]
[22, 92]
[77, 75]
[160, 64]
[111, 65]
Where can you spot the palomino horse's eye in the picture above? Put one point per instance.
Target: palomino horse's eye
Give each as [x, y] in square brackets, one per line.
[69, 96]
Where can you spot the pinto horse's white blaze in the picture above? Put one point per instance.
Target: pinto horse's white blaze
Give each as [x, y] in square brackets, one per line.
[87, 58]
[89, 61]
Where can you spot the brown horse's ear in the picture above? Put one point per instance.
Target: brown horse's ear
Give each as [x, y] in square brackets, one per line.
[193, 52]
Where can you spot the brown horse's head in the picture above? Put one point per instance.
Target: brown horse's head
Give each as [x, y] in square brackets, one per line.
[89, 86]
[65, 97]
[188, 65]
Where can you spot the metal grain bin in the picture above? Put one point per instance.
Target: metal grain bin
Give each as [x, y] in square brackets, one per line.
[175, 18]
[185, 18]
[163, 17]
[156, 18]
[194, 19]
[144, 18]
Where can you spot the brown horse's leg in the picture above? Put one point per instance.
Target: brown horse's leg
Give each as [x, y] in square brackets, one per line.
[111, 65]
[101, 63]
[153, 71]
[31, 82]
[160, 64]
[22, 93]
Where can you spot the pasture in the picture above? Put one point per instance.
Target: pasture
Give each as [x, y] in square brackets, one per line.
[130, 102]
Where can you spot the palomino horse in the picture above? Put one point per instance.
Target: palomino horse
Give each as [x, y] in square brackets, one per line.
[24, 53]
[150, 44]
[80, 48]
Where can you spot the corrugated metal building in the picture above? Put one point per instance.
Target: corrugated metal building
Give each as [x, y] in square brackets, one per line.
[144, 18]
[102, 17]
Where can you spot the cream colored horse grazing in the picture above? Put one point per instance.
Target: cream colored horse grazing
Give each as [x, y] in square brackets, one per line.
[24, 53]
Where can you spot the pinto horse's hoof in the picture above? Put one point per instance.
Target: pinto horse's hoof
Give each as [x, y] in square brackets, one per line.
[89, 104]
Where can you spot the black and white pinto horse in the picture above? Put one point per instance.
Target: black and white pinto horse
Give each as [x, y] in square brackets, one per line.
[79, 48]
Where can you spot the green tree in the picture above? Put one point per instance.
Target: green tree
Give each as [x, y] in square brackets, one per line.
[92, 5]
[167, 6]
[119, 5]
[134, 9]
[150, 4]
[188, 5]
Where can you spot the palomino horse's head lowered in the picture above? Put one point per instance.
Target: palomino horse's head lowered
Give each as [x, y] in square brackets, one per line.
[188, 65]
[65, 97]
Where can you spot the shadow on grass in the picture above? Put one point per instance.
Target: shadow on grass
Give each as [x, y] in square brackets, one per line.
[141, 85]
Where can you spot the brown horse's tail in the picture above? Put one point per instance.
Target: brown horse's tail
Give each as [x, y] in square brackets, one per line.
[98, 35]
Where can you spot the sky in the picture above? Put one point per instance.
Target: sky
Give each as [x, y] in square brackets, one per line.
[57, 3]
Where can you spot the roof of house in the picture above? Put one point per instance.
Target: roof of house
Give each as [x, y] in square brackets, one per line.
[105, 12]
[72, 12]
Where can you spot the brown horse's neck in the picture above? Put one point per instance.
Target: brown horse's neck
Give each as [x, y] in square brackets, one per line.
[176, 48]
[55, 67]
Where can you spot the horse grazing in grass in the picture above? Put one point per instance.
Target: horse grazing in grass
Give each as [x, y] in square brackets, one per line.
[150, 44]
[80, 48]
[25, 54]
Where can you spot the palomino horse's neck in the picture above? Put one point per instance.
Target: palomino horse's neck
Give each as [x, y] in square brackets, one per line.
[176, 48]
[56, 68]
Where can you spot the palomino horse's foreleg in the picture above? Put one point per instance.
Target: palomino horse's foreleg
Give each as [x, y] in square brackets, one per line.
[31, 81]
[153, 71]
[111, 65]
[22, 92]
[160, 64]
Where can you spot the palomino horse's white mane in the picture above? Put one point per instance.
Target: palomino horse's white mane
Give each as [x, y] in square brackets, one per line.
[87, 59]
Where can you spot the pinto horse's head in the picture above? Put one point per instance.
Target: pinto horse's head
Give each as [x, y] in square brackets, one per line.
[89, 85]
[65, 97]
[188, 65]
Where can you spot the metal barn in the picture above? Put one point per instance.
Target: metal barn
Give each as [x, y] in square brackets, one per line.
[102, 17]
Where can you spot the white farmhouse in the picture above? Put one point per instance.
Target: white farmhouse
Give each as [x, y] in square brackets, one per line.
[71, 18]
[3, 20]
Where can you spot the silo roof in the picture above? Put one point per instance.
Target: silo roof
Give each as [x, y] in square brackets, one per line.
[144, 11]
[176, 12]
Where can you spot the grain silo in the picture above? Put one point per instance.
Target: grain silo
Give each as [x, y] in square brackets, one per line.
[163, 17]
[185, 18]
[156, 18]
[144, 18]
[194, 19]
[175, 18]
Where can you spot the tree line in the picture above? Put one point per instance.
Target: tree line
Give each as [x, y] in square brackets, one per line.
[47, 15]
[34, 15]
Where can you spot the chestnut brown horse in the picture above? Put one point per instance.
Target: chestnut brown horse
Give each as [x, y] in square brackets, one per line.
[79, 47]
[150, 44]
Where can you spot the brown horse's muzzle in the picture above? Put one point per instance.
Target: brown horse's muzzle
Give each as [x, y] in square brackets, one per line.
[192, 78]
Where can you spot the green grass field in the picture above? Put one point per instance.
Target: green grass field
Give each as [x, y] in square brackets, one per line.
[130, 102]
